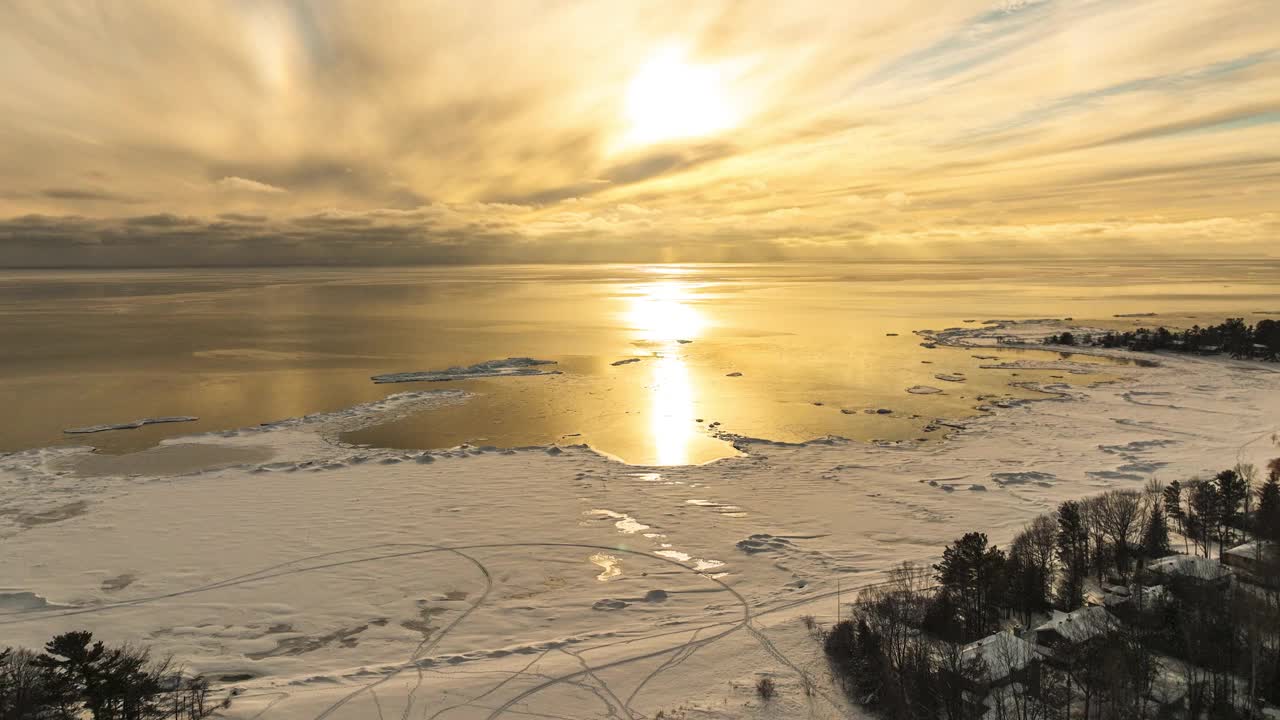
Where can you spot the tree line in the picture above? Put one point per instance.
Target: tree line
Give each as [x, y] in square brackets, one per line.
[77, 677]
[1233, 337]
[901, 650]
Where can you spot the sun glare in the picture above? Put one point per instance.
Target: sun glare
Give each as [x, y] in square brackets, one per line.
[671, 98]
[663, 313]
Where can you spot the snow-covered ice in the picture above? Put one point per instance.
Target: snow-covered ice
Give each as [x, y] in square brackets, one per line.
[324, 580]
[489, 368]
[130, 425]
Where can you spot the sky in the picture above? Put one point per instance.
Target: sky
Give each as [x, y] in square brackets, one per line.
[261, 132]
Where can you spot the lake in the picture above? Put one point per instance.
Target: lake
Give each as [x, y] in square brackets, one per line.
[784, 352]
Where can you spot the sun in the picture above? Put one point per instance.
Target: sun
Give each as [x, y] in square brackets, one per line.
[671, 98]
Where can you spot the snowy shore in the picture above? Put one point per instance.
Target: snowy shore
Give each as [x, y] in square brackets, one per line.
[327, 581]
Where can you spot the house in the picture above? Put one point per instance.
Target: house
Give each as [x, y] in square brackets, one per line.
[1004, 658]
[1075, 627]
[1258, 560]
[1190, 566]
[996, 661]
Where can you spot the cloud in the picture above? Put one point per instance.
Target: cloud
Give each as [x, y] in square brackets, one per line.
[88, 195]
[506, 234]
[382, 132]
[239, 184]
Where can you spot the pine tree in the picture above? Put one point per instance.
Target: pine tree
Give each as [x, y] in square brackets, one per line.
[1073, 553]
[1173, 509]
[1231, 490]
[1266, 521]
[972, 575]
[1155, 538]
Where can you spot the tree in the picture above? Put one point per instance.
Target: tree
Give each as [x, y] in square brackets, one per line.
[75, 664]
[1091, 514]
[77, 678]
[1204, 513]
[1031, 566]
[1155, 537]
[1120, 514]
[1173, 508]
[971, 573]
[1073, 552]
[1267, 334]
[1232, 490]
[26, 692]
[1266, 521]
[1026, 591]
[1237, 338]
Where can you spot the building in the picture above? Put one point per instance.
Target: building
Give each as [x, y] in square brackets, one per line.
[1075, 627]
[1190, 566]
[998, 661]
[1259, 561]
[1004, 658]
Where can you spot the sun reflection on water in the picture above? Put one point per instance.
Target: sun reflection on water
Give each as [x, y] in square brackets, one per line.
[662, 315]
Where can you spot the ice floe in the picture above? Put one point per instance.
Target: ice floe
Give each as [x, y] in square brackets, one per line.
[513, 366]
[130, 425]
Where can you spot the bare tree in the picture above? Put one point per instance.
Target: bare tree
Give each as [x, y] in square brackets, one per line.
[1042, 544]
[1091, 512]
[1120, 516]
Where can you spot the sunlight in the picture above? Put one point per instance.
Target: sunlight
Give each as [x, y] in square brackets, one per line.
[672, 421]
[662, 313]
[671, 98]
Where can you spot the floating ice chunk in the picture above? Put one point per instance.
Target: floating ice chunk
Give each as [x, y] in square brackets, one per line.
[628, 361]
[763, 542]
[673, 554]
[950, 377]
[625, 523]
[488, 368]
[923, 390]
[1024, 478]
[609, 566]
[130, 425]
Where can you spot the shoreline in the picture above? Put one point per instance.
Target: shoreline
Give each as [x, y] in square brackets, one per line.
[786, 524]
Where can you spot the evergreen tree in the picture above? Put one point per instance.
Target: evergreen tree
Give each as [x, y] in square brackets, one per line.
[972, 575]
[1026, 591]
[1231, 490]
[1155, 538]
[1267, 334]
[1266, 522]
[1173, 509]
[1073, 553]
[1237, 338]
[75, 665]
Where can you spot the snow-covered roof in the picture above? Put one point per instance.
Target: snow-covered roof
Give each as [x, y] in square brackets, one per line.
[1190, 566]
[1249, 550]
[1081, 624]
[1003, 653]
